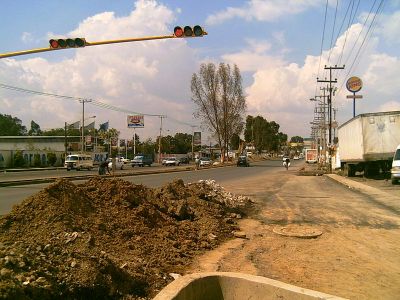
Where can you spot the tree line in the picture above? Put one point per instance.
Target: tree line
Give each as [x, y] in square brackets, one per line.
[220, 105]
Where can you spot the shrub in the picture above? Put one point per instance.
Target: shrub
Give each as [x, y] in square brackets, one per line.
[51, 158]
[19, 160]
[36, 160]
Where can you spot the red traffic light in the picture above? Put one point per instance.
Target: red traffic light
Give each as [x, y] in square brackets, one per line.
[188, 31]
[67, 43]
[178, 31]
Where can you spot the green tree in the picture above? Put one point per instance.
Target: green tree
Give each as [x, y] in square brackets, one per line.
[36, 160]
[10, 126]
[19, 160]
[296, 139]
[235, 141]
[35, 129]
[263, 135]
[51, 158]
[220, 101]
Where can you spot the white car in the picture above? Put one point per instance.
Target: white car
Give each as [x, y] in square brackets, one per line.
[172, 161]
[205, 161]
[125, 160]
[119, 164]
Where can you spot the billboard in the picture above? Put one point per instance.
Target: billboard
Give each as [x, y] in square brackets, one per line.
[197, 138]
[135, 121]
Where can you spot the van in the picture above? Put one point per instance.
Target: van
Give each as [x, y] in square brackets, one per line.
[395, 171]
[78, 162]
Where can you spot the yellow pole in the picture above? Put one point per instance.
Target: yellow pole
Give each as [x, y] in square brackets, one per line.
[87, 44]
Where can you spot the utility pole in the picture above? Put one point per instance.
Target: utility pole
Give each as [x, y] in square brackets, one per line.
[159, 141]
[193, 126]
[83, 101]
[330, 81]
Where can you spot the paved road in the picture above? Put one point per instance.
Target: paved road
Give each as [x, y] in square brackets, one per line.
[355, 252]
[15, 194]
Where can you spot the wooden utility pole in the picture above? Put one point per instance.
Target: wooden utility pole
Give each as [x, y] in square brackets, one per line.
[330, 81]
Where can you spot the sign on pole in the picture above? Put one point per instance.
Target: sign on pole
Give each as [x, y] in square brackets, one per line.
[135, 121]
[197, 138]
[354, 84]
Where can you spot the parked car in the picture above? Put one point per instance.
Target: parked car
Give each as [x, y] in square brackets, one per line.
[119, 164]
[78, 162]
[125, 160]
[142, 160]
[205, 161]
[164, 160]
[243, 161]
[184, 160]
[172, 161]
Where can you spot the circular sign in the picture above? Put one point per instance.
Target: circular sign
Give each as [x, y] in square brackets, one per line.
[354, 84]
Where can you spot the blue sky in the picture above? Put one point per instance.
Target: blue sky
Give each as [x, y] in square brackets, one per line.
[276, 44]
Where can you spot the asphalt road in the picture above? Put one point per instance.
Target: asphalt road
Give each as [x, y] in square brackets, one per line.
[12, 195]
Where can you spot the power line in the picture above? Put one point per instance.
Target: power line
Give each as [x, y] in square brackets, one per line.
[322, 44]
[379, 8]
[92, 101]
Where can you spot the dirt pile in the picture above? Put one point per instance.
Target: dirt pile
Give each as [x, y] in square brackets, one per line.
[110, 238]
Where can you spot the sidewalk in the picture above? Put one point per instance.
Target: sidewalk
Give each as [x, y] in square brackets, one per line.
[383, 198]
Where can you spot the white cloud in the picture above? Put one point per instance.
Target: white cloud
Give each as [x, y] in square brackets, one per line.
[27, 37]
[390, 106]
[281, 90]
[262, 10]
[145, 77]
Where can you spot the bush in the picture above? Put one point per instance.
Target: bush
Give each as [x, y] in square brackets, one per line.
[36, 160]
[19, 160]
[51, 158]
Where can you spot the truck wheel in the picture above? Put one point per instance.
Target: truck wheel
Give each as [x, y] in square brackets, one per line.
[352, 171]
[394, 181]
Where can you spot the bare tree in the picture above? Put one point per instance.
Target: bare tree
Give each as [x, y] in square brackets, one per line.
[220, 102]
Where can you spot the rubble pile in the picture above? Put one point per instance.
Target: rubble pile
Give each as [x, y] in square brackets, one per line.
[109, 238]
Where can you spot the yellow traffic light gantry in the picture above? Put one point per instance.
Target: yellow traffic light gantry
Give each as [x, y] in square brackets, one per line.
[65, 43]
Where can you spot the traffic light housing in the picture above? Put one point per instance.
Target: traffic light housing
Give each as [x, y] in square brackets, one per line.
[67, 43]
[188, 31]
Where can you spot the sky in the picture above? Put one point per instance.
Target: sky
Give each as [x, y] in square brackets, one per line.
[280, 46]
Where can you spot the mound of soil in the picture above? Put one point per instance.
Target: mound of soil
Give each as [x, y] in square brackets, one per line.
[109, 238]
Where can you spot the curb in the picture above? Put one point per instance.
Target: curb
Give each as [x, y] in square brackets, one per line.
[86, 177]
[383, 198]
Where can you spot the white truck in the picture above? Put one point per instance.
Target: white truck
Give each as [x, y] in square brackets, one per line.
[368, 141]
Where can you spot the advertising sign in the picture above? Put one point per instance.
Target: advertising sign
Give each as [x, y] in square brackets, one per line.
[197, 138]
[354, 84]
[135, 121]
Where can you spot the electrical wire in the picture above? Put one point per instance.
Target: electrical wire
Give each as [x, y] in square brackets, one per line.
[363, 44]
[322, 44]
[333, 32]
[89, 101]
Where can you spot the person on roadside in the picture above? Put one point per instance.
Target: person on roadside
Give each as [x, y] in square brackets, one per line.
[197, 162]
[103, 167]
[286, 163]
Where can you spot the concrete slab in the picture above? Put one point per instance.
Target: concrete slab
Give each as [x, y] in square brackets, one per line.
[235, 286]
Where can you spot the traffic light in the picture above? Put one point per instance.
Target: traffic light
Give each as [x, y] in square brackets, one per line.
[67, 43]
[188, 31]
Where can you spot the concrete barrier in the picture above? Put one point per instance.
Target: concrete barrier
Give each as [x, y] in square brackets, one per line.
[234, 286]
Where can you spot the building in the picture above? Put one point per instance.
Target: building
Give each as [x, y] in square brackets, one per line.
[41, 146]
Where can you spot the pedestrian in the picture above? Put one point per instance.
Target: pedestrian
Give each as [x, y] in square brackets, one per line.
[103, 168]
[197, 162]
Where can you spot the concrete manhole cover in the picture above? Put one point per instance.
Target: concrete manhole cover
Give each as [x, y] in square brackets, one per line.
[303, 232]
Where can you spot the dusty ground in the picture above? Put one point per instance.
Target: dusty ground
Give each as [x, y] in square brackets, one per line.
[356, 256]
[110, 239]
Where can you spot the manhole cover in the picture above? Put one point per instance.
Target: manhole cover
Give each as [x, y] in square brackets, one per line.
[303, 232]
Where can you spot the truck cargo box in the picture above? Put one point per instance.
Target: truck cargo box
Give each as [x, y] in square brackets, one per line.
[369, 137]
[367, 142]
